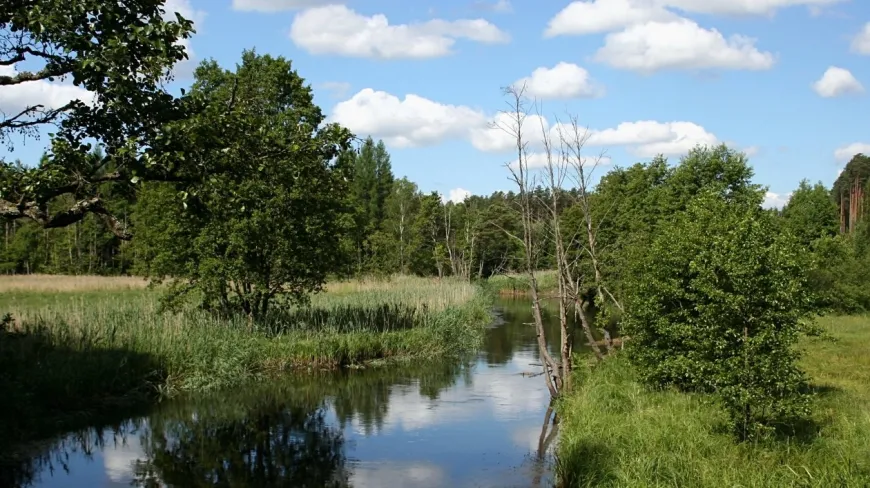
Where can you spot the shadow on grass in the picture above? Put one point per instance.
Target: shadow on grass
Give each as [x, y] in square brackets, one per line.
[585, 464]
[48, 388]
[386, 317]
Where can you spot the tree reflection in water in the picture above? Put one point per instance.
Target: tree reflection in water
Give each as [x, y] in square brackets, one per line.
[275, 435]
[267, 441]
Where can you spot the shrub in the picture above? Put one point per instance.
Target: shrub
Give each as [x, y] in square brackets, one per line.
[716, 304]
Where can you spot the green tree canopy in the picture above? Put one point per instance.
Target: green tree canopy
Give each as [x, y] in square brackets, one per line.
[272, 225]
[119, 52]
[716, 305]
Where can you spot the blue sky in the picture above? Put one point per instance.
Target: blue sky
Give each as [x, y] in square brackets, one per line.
[781, 79]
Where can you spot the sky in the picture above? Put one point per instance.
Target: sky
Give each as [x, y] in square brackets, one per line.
[782, 80]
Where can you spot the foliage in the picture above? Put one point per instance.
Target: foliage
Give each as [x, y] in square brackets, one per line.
[269, 228]
[716, 305]
[121, 53]
[810, 213]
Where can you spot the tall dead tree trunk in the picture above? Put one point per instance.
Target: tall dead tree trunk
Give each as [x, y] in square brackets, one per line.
[519, 171]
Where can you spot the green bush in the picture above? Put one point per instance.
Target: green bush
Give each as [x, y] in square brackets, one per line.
[716, 304]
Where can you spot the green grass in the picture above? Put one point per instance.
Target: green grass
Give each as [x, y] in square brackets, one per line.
[518, 283]
[614, 432]
[76, 353]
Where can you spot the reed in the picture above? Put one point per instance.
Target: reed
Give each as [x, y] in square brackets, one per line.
[80, 352]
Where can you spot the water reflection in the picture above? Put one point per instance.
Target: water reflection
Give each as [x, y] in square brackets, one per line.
[473, 423]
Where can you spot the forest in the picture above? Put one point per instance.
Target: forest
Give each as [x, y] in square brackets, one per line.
[387, 225]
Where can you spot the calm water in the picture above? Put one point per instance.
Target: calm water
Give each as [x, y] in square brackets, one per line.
[445, 425]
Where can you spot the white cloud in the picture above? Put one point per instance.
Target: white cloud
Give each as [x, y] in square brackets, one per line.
[846, 153]
[456, 195]
[185, 69]
[277, 5]
[412, 122]
[775, 200]
[647, 138]
[861, 42]
[494, 135]
[836, 82]
[539, 160]
[562, 81]
[51, 95]
[597, 16]
[336, 29]
[416, 121]
[681, 44]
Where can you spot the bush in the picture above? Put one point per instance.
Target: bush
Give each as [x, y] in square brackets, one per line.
[716, 304]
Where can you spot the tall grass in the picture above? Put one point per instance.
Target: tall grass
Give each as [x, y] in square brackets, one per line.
[617, 433]
[518, 283]
[69, 352]
[67, 283]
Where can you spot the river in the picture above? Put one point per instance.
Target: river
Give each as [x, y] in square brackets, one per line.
[473, 424]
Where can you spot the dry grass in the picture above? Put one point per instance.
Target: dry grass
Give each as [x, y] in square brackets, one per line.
[65, 283]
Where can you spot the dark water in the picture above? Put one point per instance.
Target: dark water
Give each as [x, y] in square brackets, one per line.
[478, 423]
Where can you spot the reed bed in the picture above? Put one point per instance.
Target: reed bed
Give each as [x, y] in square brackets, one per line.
[66, 283]
[78, 352]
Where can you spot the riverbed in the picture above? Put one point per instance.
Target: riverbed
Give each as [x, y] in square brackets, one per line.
[476, 423]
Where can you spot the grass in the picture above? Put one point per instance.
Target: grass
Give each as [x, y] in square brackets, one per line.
[73, 353]
[616, 433]
[517, 284]
[58, 283]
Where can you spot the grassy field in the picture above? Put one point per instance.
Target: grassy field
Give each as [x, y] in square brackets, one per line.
[86, 344]
[615, 433]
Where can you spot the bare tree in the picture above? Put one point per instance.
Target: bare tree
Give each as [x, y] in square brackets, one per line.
[557, 165]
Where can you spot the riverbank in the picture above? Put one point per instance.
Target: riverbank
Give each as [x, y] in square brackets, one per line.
[70, 354]
[517, 284]
[615, 433]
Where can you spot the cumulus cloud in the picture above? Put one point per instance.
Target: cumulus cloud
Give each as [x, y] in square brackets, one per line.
[456, 195]
[647, 138]
[416, 121]
[586, 17]
[861, 42]
[51, 95]
[680, 44]
[597, 16]
[846, 152]
[539, 160]
[338, 30]
[562, 81]
[410, 122]
[775, 200]
[836, 82]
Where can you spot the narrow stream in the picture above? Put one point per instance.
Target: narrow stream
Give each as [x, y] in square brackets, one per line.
[444, 425]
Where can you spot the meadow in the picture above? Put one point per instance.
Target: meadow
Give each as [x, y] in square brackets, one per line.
[78, 345]
[615, 432]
